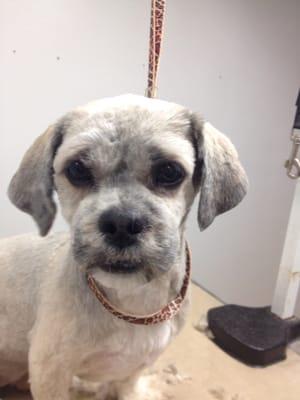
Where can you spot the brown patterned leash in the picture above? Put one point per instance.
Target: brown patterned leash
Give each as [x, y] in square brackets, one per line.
[158, 8]
[166, 313]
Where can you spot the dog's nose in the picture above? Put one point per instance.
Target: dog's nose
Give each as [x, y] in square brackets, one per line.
[121, 229]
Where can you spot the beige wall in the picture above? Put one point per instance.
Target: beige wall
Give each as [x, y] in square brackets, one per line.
[237, 62]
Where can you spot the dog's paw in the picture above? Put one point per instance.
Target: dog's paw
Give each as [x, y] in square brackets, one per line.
[145, 389]
[84, 390]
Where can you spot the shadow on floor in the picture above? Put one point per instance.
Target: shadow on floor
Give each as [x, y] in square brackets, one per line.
[10, 393]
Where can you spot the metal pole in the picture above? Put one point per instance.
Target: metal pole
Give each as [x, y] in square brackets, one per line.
[285, 296]
[288, 281]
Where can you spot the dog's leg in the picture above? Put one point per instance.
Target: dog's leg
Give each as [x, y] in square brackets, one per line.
[49, 378]
[50, 366]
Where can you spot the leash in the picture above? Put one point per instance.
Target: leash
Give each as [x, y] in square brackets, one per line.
[167, 312]
[158, 8]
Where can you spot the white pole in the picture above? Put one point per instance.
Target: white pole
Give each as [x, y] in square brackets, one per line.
[285, 297]
[288, 280]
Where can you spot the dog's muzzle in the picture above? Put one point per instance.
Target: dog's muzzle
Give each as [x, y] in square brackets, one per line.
[122, 229]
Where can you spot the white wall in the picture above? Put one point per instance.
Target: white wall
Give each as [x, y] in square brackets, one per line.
[236, 61]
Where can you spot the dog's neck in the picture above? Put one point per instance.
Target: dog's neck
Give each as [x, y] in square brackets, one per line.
[133, 294]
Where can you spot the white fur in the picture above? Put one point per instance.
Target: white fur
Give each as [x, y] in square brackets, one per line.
[51, 315]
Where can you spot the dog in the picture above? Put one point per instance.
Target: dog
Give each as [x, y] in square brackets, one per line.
[126, 171]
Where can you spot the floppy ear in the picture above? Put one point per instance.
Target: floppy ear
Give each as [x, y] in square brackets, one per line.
[31, 188]
[223, 182]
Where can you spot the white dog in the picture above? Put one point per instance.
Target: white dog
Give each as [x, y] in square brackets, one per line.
[126, 171]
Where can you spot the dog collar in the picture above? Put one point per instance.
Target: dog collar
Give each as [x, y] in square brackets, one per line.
[164, 314]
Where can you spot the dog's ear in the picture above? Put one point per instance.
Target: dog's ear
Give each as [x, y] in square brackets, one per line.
[223, 181]
[31, 188]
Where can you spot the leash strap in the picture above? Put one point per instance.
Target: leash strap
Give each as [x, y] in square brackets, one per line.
[158, 8]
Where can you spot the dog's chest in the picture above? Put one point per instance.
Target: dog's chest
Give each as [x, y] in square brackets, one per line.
[125, 352]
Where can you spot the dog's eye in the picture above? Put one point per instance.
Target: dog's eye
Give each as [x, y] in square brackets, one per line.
[168, 174]
[78, 174]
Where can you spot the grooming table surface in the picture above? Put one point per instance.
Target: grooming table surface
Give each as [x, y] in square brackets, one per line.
[194, 368]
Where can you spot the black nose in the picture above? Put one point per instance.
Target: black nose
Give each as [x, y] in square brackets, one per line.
[121, 228]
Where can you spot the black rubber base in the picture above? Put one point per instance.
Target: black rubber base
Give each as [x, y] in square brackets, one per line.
[255, 336]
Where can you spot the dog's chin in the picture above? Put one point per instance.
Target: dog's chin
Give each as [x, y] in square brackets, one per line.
[121, 267]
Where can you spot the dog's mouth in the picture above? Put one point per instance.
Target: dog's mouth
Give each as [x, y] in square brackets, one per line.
[121, 267]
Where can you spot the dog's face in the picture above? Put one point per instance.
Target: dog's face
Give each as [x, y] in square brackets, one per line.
[126, 171]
